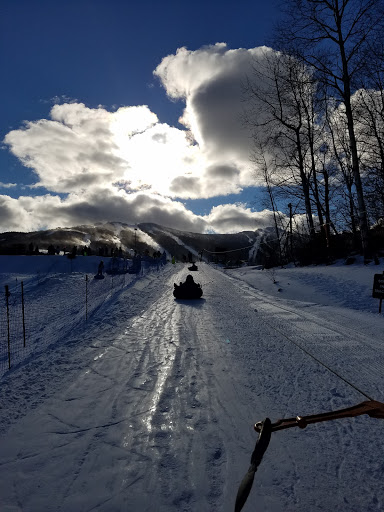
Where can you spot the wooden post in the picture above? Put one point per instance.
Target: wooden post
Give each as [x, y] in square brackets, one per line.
[22, 307]
[290, 230]
[7, 294]
[378, 288]
[86, 297]
[381, 300]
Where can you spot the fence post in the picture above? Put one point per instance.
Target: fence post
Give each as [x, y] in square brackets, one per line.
[7, 294]
[86, 297]
[22, 307]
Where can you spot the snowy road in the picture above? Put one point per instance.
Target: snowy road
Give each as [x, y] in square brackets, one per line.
[151, 407]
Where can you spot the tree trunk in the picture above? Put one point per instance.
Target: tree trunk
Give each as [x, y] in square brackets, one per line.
[362, 213]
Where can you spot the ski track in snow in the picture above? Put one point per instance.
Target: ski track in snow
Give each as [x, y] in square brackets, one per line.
[151, 408]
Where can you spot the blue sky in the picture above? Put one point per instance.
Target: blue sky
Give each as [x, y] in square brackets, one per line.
[89, 60]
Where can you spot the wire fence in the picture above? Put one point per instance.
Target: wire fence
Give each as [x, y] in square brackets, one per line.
[46, 307]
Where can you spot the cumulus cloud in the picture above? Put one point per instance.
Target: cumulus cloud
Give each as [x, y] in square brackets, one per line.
[12, 216]
[29, 213]
[209, 80]
[79, 146]
[232, 218]
[7, 185]
[125, 165]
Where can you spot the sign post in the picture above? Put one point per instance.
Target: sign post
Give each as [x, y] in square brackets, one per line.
[378, 288]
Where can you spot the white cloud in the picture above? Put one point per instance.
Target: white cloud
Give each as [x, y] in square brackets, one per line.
[79, 147]
[125, 165]
[232, 218]
[210, 80]
[29, 213]
[13, 217]
[7, 185]
[159, 155]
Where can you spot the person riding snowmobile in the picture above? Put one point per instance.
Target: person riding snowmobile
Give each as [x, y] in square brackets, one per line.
[188, 289]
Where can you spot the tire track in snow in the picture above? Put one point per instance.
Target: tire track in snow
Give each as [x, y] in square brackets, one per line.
[285, 377]
[179, 431]
[160, 411]
[176, 407]
[328, 341]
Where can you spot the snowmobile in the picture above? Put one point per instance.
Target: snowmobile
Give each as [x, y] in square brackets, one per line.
[193, 267]
[188, 290]
[99, 276]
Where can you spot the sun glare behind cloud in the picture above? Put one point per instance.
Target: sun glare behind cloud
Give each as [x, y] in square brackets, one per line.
[159, 155]
[85, 154]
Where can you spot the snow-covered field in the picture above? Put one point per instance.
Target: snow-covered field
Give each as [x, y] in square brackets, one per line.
[150, 405]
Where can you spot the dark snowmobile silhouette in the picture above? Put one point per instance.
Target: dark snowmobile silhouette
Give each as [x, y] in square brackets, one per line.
[193, 267]
[188, 290]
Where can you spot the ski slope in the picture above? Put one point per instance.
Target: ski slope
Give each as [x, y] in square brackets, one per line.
[151, 405]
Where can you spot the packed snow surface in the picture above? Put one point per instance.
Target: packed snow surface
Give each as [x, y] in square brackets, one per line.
[150, 404]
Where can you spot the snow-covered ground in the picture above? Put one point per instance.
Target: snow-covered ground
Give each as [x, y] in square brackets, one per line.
[150, 405]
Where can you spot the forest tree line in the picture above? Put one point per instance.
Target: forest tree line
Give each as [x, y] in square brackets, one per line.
[315, 107]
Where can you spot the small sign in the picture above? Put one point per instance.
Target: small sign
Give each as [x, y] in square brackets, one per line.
[378, 286]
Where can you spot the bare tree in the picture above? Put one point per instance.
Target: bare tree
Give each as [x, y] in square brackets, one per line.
[333, 37]
[369, 107]
[340, 158]
[277, 109]
[266, 166]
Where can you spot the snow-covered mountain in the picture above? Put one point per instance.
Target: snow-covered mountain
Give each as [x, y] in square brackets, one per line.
[143, 237]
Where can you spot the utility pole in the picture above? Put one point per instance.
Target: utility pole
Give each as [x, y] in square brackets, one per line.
[290, 229]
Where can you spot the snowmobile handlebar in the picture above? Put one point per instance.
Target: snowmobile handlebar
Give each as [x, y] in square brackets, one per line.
[373, 408]
[265, 428]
